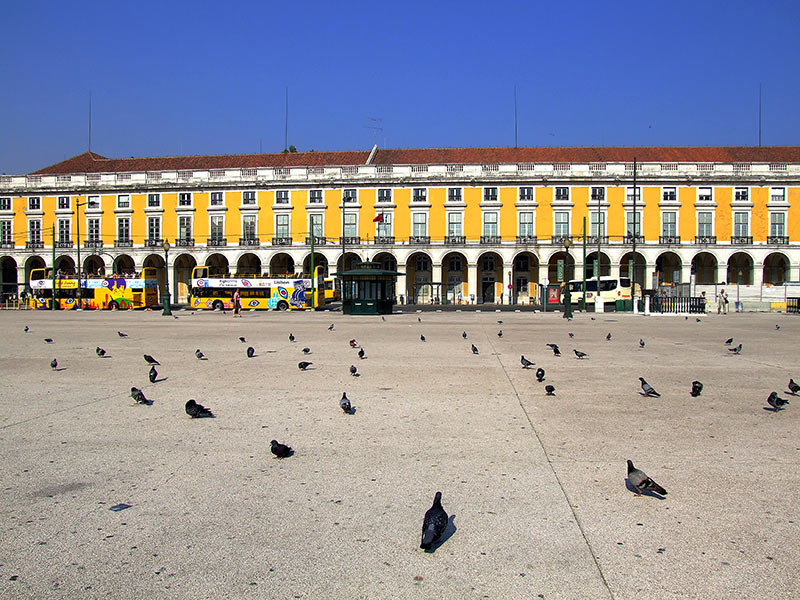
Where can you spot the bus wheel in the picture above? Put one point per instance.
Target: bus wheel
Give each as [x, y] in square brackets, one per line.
[113, 305]
[218, 305]
[283, 305]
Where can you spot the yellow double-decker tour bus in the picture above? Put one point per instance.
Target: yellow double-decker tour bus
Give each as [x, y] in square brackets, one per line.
[97, 292]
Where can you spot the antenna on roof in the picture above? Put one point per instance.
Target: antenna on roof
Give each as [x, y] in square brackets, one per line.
[375, 129]
[515, 115]
[759, 114]
[90, 120]
[286, 128]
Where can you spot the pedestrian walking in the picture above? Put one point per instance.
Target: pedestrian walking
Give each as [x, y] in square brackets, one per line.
[722, 302]
[237, 304]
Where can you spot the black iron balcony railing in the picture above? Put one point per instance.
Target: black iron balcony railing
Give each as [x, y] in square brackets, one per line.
[669, 240]
[93, 243]
[217, 242]
[123, 244]
[526, 239]
[184, 242]
[628, 239]
[777, 239]
[29, 245]
[63, 244]
[384, 239]
[455, 240]
[741, 240]
[705, 239]
[350, 239]
[490, 239]
[6, 244]
[248, 241]
[319, 240]
[153, 242]
[281, 241]
[591, 240]
[419, 239]
[559, 239]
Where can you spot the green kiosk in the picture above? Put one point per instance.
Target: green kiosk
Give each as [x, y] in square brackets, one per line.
[368, 289]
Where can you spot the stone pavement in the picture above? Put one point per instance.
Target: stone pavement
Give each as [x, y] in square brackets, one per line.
[536, 484]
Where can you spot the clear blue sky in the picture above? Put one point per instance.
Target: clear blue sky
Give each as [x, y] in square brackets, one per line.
[199, 77]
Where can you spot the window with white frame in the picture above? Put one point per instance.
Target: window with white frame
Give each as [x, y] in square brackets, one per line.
[35, 231]
[420, 224]
[123, 229]
[93, 229]
[490, 224]
[154, 229]
[217, 227]
[526, 223]
[185, 199]
[217, 199]
[454, 264]
[454, 194]
[634, 195]
[526, 194]
[597, 223]
[669, 194]
[562, 193]
[705, 223]
[5, 203]
[5, 232]
[316, 225]
[64, 230]
[92, 202]
[282, 226]
[123, 201]
[34, 203]
[419, 195]
[350, 196]
[153, 200]
[669, 223]
[385, 195]
[598, 194]
[350, 224]
[777, 195]
[282, 197]
[384, 227]
[455, 224]
[63, 202]
[248, 198]
[315, 197]
[561, 220]
[777, 224]
[741, 224]
[490, 194]
[704, 194]
[249, 227]
[740, 194]
[421, 263]
[185, 228]
[633, 223]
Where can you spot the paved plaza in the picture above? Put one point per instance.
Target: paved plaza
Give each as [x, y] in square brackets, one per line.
[535, 485]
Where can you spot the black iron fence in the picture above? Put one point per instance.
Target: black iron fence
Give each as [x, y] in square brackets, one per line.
[793, 305]
[678, 304]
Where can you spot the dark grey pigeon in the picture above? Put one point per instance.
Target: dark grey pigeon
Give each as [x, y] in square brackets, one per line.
[434, 523]
[572, 335]
[776, 402]
[525, 362]
[251, 352]
[550, 389]
[291, 337]
[500, 333]
[608, 337]
[556, 350]
[697, 319]
[729, 341]
[641, 343]
[139, 396]
[640, 481]
[280, 450]
[579, 354]
[306, 350]
[736, 350]
[353, 343]
[697, 389]
[793, 387]
[777, 327]
[464, 334]
[48, 340]
[152, 374]
[150, 360]
[330, 327]
[474, 349]
[353, 370]
[344, 403]
[421, 338]
[361, 353]
[199, 355]
[197, 411]
[648, 389]
[122, 334]
[100, 352]
[27, 329]
[419, 320]
[54, 364]
[303, 365]
[243, 340]
[540, 374]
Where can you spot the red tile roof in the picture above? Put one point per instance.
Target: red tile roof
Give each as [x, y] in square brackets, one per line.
[90, 162]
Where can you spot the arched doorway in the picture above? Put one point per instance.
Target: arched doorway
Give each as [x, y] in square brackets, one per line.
[490, 278]
[567, 265]
[8, 278]
[591, 265]
[454, 276]
[217, 265]
[351, 258]
[668, 268]
[320, 260]
[123, 264]
[740, 269]
[65, 265]
[248, 265]
[526, 278]
[281, 264]
[182, 267]
[638, 269]
[94, 266]
[419, 274]
[388, 262]
[776, 269]
[704, 265]
[156, 261]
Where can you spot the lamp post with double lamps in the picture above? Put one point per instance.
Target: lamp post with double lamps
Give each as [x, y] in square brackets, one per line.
[567, 295]
[165, 295]
[88, 204]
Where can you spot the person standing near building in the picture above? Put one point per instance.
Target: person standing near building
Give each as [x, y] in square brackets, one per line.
[237, 304]
[722, 302]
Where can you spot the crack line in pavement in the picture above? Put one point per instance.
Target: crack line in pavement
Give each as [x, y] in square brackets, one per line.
[550, 464]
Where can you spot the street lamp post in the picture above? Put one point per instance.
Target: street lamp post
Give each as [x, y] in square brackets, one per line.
[738, 285]
[165, 296]
[88, 204]
[567, 295]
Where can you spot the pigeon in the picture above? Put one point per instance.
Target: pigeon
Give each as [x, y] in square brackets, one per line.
[303, 365]
[793, 387]
[685, 318]
[291, 337]
[306, 350]
[152, 374]
[251, 352]
[640, 481]
[197, 411]
[344, 403]
[551, 390]
[150, 360]
[100, 352]
[122, 334]
[777, 327]
[353, 371]
[736, 350]
[199, 355]
[697, 319]
[243, 340]
[48, 340]
[421, 338]
[525, 362]
[594, 319]
[697, 389]
[138, 396]
[27, 329]
[729, 341]
[500, 322]
[383, 318]
[556, 351]
[54, 364]
[608, 337]
[464, 334]
[500, 333]
[776, 402]
[648, 389]
[361, 353]
[353, 343]
[579, 354]
[419, 320]
[572, 335]
[280, 450]
[474, 349]
[540, 374]
[330, 327]
[641, 343]
[434, 523]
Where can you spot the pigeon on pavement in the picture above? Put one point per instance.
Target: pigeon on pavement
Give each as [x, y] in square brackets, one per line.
[421, 338]
[434, 523]
[572, 335]
[199, 355]
[608, 337]
[361, 353]
[197, 411]
[793, 387]
[251, 352]
[474, 349]
[306, 350]
[556, 351]
[242, 339]
[27, 329]
[580, 355]
[353, 371]
[303, 365]
[138, 396]
[525, 362]
[150, 360]
[500, 333]
[152, 374]
[122, 334]
[736, 350]
[280, 450]
[641, 482]
[550, 389]
[777, 327]
[353, 343]
[291, 337]
[776, 402]
[648, 389]
[464, 334]
[54, 364]
[100, 352]
[330, 327]
[697, 389]
[729, 341]
[48, 340]
[344, 403]
[540, 374]
[641, 343]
